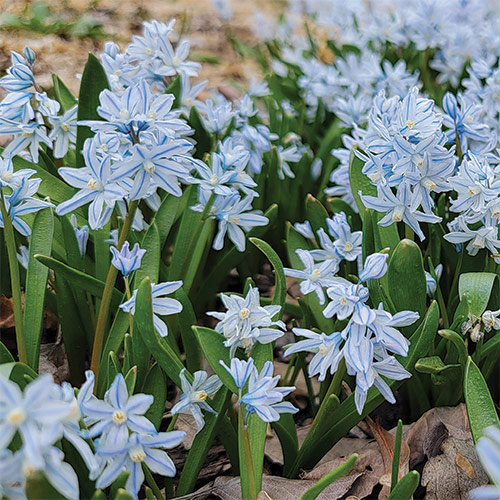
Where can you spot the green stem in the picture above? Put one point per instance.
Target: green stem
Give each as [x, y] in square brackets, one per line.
[130, 315]
[10, 241]
[107, 294]
[246, 465]
[409, 234]
[397, 453]
[172, 422]
[152, 483]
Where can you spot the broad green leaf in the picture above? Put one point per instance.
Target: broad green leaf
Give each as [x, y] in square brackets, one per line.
[38, 488]
[36, 284]
[287, 434]
[406, 280]
[359, 182]
[156, 385]
[63, 95]
[185, 320]
[79, 279]
[458, 342]
[165, 217]
[5, 355]
[130, 379]
[406, 486]
[18, 372]
[201, 136]
[279, 276]
[478, 288]
[212, 345]
[94, 80]
[480, 407]
[330, 478]
[316, 213]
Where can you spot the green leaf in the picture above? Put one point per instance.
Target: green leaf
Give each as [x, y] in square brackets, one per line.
[165, 217]
[131, 380]
[316, 213]
[359, 182]
[175, 88]
[18, 372]
[63, 95]
[406, 280]
[406, 486]
[79, 279]
[36, 284]
[5, 355]
[38, 488]
[330, 478]
[212, 345]
[279, 276]
[150, 263]
[94, 80]
[397, 454]
[480, 407]
[287, 434]
[478, 288]
[184, 322]
[156, 385]
[156, 346]
[202, 442]
[201, 136]
[123, 494]
[458, 341]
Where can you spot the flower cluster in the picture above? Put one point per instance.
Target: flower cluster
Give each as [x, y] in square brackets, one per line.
[258, 391]
[45, 413]
[246, 322]
[368, 338]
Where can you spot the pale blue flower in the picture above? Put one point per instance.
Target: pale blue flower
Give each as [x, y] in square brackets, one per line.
[126, 260]
[488, 449]
[118, 413]
[23, 256]
[430, 282]
[194, 396]
[240, 370]
[375, 267]
[95, 185]
[264, 398]
[315, 276]
[247, 322]
[162, 306]
[344, 296]
[326, 348]
[21, 202]
[216, 116]
[130, 456]
[12, 480]
[82, 235]
[25, 135]
[305, 229]
[63, 132]
[10, 178]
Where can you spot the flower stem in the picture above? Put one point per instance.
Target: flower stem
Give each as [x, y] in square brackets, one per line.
[130, 315]
[247, 474]
[10, 241]
[107, 294]
[152, 483]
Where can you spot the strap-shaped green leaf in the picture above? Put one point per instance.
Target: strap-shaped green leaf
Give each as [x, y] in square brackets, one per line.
[156, 385]
[63, 95]
[480, 407]
[330, 478]
[79, 279]
[36, 284]
[316, 213]
[94, 80]
[406, 486]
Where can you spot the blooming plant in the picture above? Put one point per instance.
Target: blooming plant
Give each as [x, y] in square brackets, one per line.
[341, 217]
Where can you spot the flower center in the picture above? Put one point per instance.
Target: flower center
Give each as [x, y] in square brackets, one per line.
[65, 126]
[175, 61]
[149, 166]
[119, 417]
[348, 246]
[410, 125]
[323, 349]
[200, 396]
[16, 416]
[233, 219]
[474, 190]
[397, 216]
[213, 179]
[430, 185]
[244, 313]
[124, 114]
[25, 134]
[6, 176]
[315, 275]
[137, 455]
[92, 184]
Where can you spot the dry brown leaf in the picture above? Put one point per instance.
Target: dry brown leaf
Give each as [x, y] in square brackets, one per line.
[457, 470]
[6, 313]
[421, 438]
[280, 488]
